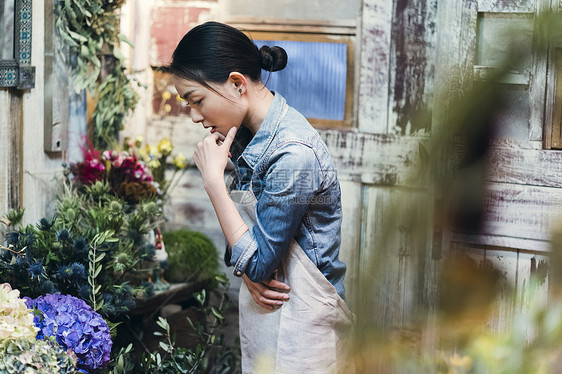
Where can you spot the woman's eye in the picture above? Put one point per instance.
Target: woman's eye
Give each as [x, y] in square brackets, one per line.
[198, 102]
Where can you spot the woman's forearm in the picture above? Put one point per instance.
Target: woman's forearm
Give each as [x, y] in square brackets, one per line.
[232, 225]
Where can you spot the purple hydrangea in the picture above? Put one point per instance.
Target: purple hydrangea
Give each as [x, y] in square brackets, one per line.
[76, 326]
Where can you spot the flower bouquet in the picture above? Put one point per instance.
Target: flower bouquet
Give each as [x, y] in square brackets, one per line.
[76, 327]
[20, 350]
[157, 160]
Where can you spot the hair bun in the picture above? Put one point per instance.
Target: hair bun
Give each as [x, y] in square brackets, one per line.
[273, 59]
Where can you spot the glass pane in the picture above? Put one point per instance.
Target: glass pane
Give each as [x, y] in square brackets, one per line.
[314, 80]
[7, 26]
[513, 121]
[498, 33]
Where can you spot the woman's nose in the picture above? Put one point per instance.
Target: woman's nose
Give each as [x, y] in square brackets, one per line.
[196, 116]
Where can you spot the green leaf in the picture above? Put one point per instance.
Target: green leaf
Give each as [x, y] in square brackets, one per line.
[124, 39]
[217, 313]
[77, 36]
[165, 347]
[163, 323]
[98, 270]
[118, 54]
[200, 297]
[221, 278]
[190, 323]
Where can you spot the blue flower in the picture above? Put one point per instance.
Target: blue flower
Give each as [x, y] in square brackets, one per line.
[36, 269]
[135, 236]
[26, 239]
[48, 287]
[75, 326]
[81, 245]
[78, 272]
[63, 235]
[12, 237]
[64, 272]
[45, 224]
[84, 292]
[147, 251]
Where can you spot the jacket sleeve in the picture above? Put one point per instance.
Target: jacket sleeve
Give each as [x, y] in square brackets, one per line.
[292, 178]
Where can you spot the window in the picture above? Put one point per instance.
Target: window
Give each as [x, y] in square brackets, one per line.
[499, 35]
[318, 79]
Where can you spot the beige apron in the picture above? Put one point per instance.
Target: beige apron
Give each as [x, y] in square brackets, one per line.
[310, 333]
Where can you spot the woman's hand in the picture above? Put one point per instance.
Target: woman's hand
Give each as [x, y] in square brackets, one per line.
[265, 294]
[211, 156]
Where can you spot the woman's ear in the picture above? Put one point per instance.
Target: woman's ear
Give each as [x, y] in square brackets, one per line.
[239, 82]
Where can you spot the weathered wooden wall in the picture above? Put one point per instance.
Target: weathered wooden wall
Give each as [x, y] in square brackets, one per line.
[28, 173]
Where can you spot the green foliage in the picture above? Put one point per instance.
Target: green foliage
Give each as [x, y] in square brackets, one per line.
[190, 254]
[95, 266]
[173, 359]
[90, 30]
[92, 248]
[115, 98]
[15, 216]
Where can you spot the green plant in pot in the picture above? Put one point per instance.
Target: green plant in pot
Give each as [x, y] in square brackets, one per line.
[191, 255]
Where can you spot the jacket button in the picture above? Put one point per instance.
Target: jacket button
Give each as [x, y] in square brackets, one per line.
[238, 273]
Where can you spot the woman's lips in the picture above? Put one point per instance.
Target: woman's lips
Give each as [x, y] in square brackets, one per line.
[213, 129]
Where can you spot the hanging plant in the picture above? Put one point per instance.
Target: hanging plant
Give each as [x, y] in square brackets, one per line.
[90, 29]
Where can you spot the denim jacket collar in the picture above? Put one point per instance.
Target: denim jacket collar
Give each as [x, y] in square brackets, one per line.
[252, 149]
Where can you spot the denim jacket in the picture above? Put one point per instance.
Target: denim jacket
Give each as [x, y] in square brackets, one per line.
[298, 196]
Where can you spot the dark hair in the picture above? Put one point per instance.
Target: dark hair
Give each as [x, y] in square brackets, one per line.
[211, 51]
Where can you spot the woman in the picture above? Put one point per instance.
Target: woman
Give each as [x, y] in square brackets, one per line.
[282, 223]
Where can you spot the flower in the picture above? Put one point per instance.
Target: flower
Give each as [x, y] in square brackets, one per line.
[64, 272]
[36, 270]
[36, 356]
[75, 326]
[72, 273]
[154, 164]
[91, 169]
[63, 235]
[151, 150]
[81, 245]
[78, 271]
[180, 161]
[165, 147]
[167, 108]
[16, 321]
[166, 95]
[45, 224]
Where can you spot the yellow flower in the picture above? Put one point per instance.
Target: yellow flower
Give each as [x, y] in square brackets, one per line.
[138, 141]
[166, 95]
[154, 164]
[180, 161]
[178, 97]
[142, 154]
[167, 108]
[165, 147]
[459, 364]
[151, 150]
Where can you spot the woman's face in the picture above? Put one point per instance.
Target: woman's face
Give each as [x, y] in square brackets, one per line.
[213, 111]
